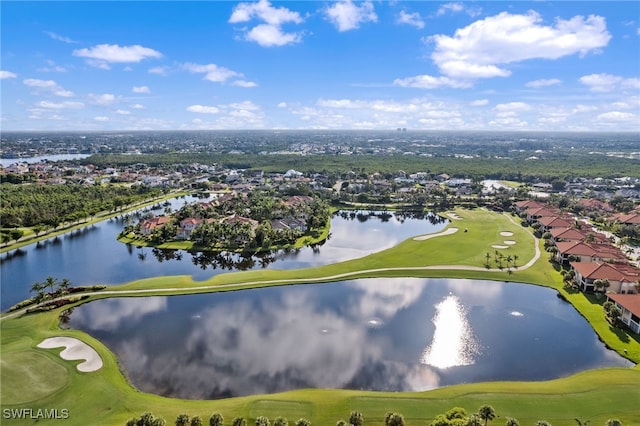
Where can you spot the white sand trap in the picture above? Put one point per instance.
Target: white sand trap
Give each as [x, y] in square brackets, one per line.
[447, 231]
[509, 242]
[454, 216]
[499, 246]
[75, 349]
[506, 234]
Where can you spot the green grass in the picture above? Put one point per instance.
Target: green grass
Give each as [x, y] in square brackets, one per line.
[591, 395]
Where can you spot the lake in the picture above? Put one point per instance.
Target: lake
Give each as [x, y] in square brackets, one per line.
[94, 256]
[400, 334]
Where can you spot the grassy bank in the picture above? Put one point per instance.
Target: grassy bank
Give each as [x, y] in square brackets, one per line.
[595, 395]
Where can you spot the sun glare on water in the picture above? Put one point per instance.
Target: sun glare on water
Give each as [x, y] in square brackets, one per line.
[453, 343]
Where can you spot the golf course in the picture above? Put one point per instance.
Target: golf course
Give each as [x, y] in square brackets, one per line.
[47, 385]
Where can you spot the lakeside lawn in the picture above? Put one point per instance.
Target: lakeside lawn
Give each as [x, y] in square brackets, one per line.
[592, 395]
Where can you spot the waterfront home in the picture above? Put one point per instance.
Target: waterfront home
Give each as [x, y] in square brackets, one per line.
[148, 226]
[629, 305]
[622, 278]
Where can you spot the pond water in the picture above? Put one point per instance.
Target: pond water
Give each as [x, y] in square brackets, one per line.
[6, 162]
[94, 256]
[374, 334]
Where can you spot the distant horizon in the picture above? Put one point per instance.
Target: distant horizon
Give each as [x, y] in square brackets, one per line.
[320, 65]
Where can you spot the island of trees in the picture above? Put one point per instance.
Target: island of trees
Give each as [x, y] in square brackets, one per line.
[254, 221]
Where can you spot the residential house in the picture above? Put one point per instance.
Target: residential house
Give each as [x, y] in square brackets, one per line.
[289, 223]
[622, 278]
[148, 226]
[629, 305]
[187, 226]
[548, 223]
[522, 206]
[585, 252]
[574, 234]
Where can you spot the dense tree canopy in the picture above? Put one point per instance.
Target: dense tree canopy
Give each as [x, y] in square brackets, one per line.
[51, 205]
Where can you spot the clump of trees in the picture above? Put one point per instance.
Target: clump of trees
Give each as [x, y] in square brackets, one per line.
[611, 312]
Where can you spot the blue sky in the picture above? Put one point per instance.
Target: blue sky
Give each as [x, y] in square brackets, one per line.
[566, 66]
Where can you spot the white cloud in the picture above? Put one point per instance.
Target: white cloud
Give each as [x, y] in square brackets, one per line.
[244, 105]
[101, 118]
[137, 106]
[607, 83]
[450, 7]
[212, 72]
[103, 99]
[7, 74]
[102, 55]
[269, 33]
[543, 83]
[244, 83]
[123, 112]
[49, 86]
[263, 10]
[52, 67]
[430, 82]
[413, 19]
[60, 105]
[159, 70]
[618, 117]
[345, 15]
[203, 109]
[481, 49]
[140, 89]
[513, 107]
[58, 37]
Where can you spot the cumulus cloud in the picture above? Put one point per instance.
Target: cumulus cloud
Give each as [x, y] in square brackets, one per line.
[212, 72]
[140, 89]
[270, 32]
[346, 15]
[102, 55]
[479, 102]
[617, 117]
[48, 86]
[607, 83]
[159, 70]
[7, 74]
[103, 99]
[203, 109]
[543, 83]
[413, 19]
[267, 35]
[484, 48]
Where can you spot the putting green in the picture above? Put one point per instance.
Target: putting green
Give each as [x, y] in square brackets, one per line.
[30, 376]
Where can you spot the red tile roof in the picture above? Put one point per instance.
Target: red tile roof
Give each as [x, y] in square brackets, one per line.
[631, 302]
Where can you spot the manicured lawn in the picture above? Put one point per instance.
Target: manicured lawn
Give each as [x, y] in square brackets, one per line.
[592, 395]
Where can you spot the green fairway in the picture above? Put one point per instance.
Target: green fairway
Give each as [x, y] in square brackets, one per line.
[105, 394]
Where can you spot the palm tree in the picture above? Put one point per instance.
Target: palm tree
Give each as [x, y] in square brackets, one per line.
[515, 259]
[486, 413]
[38, 288]
[216, 419]
[474, 420]
[581, 423]
[543, 423]
[512, 422]
[613, 422]
[487, 256]
[394, 419]
[303, 422]
[196, 421]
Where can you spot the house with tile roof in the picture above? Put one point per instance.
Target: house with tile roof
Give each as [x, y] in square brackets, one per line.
[629, 305]
[622, 278]
[585, 252]
[148, 226]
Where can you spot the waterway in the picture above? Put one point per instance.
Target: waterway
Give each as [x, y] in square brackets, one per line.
[399, 334]
[92, 255]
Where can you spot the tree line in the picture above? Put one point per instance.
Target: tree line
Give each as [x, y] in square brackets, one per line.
[44, 206]
[456, 416]
[556, 166]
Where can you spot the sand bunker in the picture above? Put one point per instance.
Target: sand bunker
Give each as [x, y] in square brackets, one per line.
[454, 216]
[509, 242]
[75, 349]
[447, 231]
[499, 246]
[506, 234]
